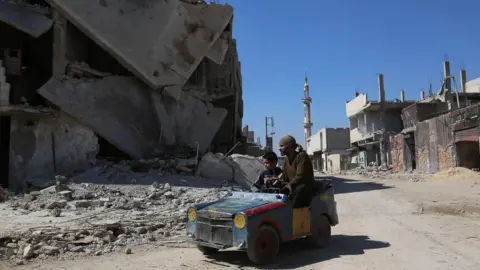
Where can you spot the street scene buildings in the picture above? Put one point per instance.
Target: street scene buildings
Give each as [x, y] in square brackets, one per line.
[119, 117]
[436, 132]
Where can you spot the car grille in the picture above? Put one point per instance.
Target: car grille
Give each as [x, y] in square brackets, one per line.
[216, 231]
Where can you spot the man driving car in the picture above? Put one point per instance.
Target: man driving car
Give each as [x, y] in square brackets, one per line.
[298, 177]
[270, 175]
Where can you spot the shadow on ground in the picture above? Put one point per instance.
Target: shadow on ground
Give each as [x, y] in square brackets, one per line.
[298, 253]
[343, 185]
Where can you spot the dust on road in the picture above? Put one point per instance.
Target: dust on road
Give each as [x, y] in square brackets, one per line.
[380, 228]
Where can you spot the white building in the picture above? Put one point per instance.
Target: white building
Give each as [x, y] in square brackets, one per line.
[327, 146]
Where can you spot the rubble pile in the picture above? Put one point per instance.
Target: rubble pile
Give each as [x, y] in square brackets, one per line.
[373, 172]
[3, 195]
[370, 171]
[115, 205]
[76, 219]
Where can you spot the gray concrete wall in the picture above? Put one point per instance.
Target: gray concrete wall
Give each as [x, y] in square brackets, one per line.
[49, 146]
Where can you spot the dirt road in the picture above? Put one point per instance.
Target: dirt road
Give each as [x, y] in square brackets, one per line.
[380, 228]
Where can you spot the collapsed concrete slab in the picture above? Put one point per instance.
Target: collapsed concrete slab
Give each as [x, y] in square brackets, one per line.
[174, 37]
[195, 122]
[215, 167]
[117, 108]
[25, 18]
[246, 169]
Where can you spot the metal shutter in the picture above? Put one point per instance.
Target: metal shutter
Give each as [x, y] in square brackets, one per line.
[469, 135]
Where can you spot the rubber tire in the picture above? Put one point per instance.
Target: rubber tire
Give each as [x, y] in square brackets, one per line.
[256, 251]
[321, 233]
[207, 250]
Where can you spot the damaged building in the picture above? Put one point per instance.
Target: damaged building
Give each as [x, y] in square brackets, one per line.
[79, 80]
[370, 122]
[440, 131]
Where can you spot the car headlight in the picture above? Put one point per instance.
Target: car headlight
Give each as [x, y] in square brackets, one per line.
[239, 221]
[192, 214]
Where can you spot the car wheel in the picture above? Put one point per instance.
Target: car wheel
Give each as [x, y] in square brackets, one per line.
[207, 250]
[321, 232]
[263, 245]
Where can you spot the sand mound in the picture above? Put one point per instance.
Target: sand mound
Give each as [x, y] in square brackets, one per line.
[457, 173]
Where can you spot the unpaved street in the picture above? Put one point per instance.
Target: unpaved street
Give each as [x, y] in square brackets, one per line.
[382, 226]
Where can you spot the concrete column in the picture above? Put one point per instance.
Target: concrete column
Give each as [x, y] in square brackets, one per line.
[59, 44]
[383, 150]
[463, 80]
[402, 96]
[381, 89]
[446, 71]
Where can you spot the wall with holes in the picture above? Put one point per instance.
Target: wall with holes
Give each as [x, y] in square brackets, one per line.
[44, 147]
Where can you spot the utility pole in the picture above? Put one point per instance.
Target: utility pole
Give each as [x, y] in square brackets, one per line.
[269, 135]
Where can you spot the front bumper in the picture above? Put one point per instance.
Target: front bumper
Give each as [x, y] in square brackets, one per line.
[207, 244]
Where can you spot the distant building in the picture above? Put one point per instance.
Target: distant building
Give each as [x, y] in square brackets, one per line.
[327, 148]
[370, 121]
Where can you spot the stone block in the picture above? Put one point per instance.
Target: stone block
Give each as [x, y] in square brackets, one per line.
[246, 169]
[215, 167]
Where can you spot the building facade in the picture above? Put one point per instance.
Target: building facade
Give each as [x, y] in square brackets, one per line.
[327, 147]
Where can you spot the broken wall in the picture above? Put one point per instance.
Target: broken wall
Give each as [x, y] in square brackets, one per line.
[434, 144]
[397, 153]
[118, 108]
[48, 146]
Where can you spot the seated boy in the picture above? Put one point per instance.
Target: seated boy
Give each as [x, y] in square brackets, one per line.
[270, 175]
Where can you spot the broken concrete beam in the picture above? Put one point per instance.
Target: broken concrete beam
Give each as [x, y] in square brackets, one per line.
[215, 167]
[195, 121]
[175, 35]
[24, 18]
[117, 108]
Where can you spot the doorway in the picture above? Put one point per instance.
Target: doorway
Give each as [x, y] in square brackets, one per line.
[4, 150]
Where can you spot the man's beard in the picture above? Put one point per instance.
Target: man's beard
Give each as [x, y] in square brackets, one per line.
[283, 153]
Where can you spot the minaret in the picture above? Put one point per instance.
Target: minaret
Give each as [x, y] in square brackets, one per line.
[307, 123]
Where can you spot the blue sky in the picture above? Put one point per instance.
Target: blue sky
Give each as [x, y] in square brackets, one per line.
[343, 44]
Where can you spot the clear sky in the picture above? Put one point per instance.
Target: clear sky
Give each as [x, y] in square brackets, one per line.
[343, 44]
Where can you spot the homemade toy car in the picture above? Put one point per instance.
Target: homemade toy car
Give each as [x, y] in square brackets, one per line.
[259, 222]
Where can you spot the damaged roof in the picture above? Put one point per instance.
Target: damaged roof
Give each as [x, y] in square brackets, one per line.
[161, 42]
[30, 19]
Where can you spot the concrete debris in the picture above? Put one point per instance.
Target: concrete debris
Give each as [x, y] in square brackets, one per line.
[246, 169]
[215, 166]
[83, 216]
[374, 172]
[242, 169]
[3, 194]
